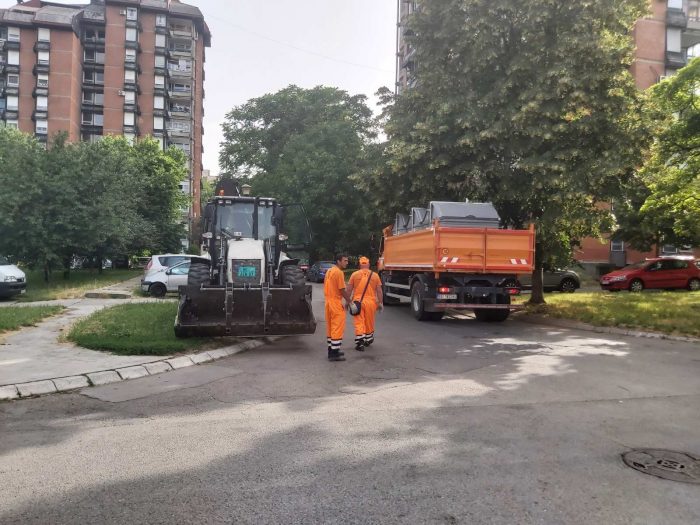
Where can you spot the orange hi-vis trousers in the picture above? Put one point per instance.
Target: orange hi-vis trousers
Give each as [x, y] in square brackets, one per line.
[335, 324]
[364, 322]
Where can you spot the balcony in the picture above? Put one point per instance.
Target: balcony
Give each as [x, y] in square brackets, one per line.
[93, 43]
[675, 60]
[130, 44]
[91, 105]
[180, 51]
[177, 131]
[162, 71]
[42, 46]
[12, 45]
[41, 67]
[11, 68]
[92, 64]
[134, 23]
[675, 17]
[133, 130]
[180, 94]
[40, 114]
[9, 90]
[132, 108]
[180, 73]
[41, 91]
[161, 30]
[180, 33]
[132, 66]
[180, 111]
[11, 113]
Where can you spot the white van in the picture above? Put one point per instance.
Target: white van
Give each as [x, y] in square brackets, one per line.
[12, 279]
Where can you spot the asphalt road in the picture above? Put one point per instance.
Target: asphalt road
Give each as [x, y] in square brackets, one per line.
[451, 422]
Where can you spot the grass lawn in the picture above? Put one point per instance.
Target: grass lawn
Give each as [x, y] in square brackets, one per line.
[134, 329]
[667, 312]
[80, 282]
[14, 317]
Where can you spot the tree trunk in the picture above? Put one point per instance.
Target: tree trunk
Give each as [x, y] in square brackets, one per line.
[537, 296]
[46, 272]
[66, 268]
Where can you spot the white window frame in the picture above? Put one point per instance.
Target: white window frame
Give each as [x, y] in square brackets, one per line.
[160, 40]
[130, 31]
[617, 246]
[129, 76]
[129, 118]
[159, 81]
[132, 13]
[157, 123]
[45, 105]
[129, 97]
[158, 102]
[673, 39]
[13, 34]
[12, 57]
[161, 21]
[12, 107]
[42, 127]
[44, 34]
[159, 61]
[43, 57]
[42, 80]
[130, 55]
[12, 124]
[13, 84]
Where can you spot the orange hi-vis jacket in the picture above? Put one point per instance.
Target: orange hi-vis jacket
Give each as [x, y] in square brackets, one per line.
[333, 286]
[365, 321]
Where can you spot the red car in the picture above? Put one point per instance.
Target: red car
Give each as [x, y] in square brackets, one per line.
[662, 272]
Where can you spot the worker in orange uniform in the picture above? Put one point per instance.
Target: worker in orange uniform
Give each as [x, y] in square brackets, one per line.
[367, 283]
[334, 291]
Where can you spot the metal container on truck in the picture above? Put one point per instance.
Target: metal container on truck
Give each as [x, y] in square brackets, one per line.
[454, 256]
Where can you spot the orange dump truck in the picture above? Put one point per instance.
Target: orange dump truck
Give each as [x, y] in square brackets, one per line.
[453, 255]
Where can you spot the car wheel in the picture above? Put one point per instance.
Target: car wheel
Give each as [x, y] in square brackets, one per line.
[157, 290]
[567, 286]
[636, 286]
[694, 285]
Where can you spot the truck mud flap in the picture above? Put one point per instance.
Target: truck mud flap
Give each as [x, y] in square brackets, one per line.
[244, 312]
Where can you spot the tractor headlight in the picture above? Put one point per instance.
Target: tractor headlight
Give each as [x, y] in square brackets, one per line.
[282, 237]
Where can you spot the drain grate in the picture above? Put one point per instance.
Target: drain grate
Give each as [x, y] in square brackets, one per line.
[665, 464]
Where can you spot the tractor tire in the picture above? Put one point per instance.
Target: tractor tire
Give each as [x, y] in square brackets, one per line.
[198, 274]
[292, 274]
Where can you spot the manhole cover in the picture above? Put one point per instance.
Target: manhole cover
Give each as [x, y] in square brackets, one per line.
[665, 464]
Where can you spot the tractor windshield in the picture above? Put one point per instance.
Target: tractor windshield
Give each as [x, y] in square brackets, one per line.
[236, 219]
[266, 229]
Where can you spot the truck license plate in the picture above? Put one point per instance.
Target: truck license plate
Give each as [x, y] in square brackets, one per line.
[447, 296]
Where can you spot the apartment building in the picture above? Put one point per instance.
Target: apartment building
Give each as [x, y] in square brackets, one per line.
[665, 41]
[109, 67]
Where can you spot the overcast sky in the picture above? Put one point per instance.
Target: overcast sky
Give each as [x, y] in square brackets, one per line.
[261, 46]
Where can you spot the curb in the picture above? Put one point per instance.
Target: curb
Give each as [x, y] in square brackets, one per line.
[106, 377]
[577, 325]
[106, 295]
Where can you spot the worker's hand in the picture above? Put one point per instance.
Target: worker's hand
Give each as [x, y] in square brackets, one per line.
[380, 306]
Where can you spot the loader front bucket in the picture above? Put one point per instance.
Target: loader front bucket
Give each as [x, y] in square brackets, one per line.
[246, 311]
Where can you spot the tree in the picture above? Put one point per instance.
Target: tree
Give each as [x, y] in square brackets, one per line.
[525, 103]
[664, 204]
[304, 146]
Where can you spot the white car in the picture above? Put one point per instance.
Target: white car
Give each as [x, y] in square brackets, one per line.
[165, 273]
[13, 281]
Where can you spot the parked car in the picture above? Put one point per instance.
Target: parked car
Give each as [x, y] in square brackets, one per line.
[318, 270]
[13, 281]
[660, 272]
[555, 280]
[164, 273]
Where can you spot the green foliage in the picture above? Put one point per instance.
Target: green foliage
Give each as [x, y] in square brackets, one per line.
[525, 103]
[133, 329]
[305, 146]
[15, 317]
[93, 199]
[663, 206]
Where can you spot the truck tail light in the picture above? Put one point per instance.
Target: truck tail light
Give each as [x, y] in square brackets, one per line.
[513, 291]
[444, 289]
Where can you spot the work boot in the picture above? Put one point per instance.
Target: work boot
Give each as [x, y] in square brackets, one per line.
[336, 356]
[360, 347]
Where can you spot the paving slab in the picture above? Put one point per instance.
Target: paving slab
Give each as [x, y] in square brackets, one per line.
[180, 362]
[8, 392]
[104, 378]
[200, 358]
[36, 388]
[132, 372]
[158, 367]
[71, 383]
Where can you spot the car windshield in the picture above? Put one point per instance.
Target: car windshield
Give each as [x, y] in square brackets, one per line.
[4, 261]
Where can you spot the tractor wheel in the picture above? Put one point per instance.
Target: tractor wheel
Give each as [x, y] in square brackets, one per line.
[198, 274]
[292, 274]
[157, 290]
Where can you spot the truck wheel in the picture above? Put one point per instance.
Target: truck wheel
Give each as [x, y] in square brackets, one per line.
[198, 274]
[417, 303]
[491, 316]
[292, 274]
[157, 290]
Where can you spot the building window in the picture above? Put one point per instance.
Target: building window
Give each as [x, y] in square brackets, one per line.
[12, 124]
[92, 119]
[130, 76]
[42, 80]
[13, 80]
[130, 34]
[673, 40]
[129, 97]
[130, 137]
[160, 61]
[130, 56]
[13, 34]
[93, 77]
[93, 35]
[180, 46]
[13, 58]
[183, 65]
[128, 119]
[158, 102]
[669, 248]
[694, 10]
[160, 40]
[132, 13]
[160, 81]
[90, 137]
[179, 108]
[180, 88]
[94, 98]
[42, 103]
[42, 127]
[178, 125]
[161, 21]
[12, 103]
[43, 57]
[158, 123]
[617, 246]
[44, 35]
[96, 57]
